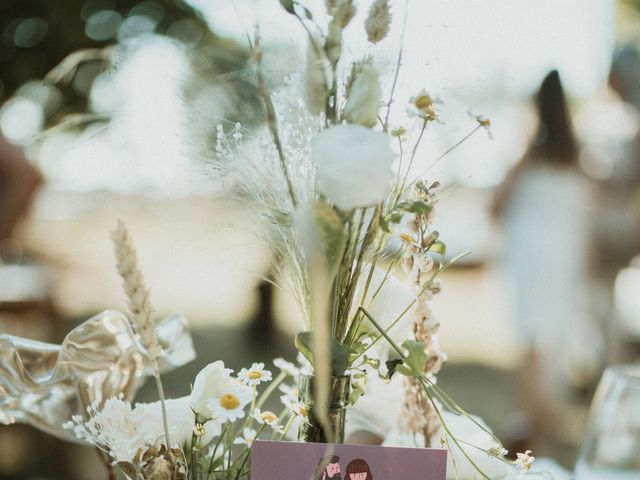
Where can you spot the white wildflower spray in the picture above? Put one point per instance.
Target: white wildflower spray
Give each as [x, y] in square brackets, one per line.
[418, 415]
[343, 11]
[378, 22]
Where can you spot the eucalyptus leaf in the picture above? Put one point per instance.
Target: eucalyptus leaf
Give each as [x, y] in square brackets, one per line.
[339, 352]
[415, 360]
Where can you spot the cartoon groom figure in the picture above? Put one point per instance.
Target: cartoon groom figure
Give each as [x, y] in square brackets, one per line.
[328, 468]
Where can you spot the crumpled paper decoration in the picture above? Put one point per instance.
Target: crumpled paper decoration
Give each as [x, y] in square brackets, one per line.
[43, 384]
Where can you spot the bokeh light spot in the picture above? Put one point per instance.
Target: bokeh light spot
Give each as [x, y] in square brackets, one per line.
[20, 119]
[102, 25]
[30, 32]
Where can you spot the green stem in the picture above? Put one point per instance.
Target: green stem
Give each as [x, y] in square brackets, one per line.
[397, 72]
[194, 457]
[246, 454]
[249, 420]
[446, 429]
[272, 120]
[446, 152]
[215, 449]
[413, 156]
[423, 382]
[227, 451]
[413, 302]
[270, 389]
[287, 426]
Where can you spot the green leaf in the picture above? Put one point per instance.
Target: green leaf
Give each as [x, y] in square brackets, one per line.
[372, 362]
[438, 247]
[218, 462]
[358, 388]
[288, 6]
[414, 206]
[339, 352]
[330, 232]
[415, 360]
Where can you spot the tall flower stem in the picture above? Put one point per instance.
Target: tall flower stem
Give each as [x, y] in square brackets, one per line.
[165, 417]
[385, 125]
[270, 389]
[215, 448]
[272, 119]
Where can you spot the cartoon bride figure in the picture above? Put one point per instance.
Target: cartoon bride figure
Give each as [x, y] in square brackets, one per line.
[358, 469]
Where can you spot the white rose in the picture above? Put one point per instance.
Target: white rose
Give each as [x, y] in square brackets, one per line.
[207, 384]
[181, 420]
[364, 98]
[354, 165]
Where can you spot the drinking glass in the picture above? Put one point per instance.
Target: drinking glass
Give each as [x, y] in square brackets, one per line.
[611, 446]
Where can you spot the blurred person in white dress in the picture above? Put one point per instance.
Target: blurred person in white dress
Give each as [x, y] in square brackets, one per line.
[545, 206]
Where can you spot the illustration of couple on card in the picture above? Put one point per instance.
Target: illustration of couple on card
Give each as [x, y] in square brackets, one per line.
[329, 469]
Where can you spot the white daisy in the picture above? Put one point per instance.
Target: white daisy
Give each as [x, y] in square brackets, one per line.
[483, 121]
[229, 403]
[422, 106]
[296, 407]
[248, 436]
[254, 375]
[287, 367]
[290, 391]
[267, 418]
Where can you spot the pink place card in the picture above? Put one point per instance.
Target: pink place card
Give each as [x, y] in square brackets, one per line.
[317, 461]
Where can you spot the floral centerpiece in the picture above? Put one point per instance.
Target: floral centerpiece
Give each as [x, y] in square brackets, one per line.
[334, 183]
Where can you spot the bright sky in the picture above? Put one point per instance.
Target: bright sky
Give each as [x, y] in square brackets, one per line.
[476, 45]
[487, 55]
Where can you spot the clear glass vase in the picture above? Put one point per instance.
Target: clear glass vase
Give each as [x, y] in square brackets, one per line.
[611, 447]
[338, 400]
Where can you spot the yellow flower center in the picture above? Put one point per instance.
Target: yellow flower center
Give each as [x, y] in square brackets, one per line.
[254, 374]
[303, 411]
[198, 430]
[423, 102]
[269, 416]
[229, 401]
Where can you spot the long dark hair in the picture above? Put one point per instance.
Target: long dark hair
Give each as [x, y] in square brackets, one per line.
[358, 466]
[555, 142]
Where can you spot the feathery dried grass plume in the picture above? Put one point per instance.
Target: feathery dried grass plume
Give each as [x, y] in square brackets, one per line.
[135, 289]
[378, 22]
[140, 306]
[343, 12]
